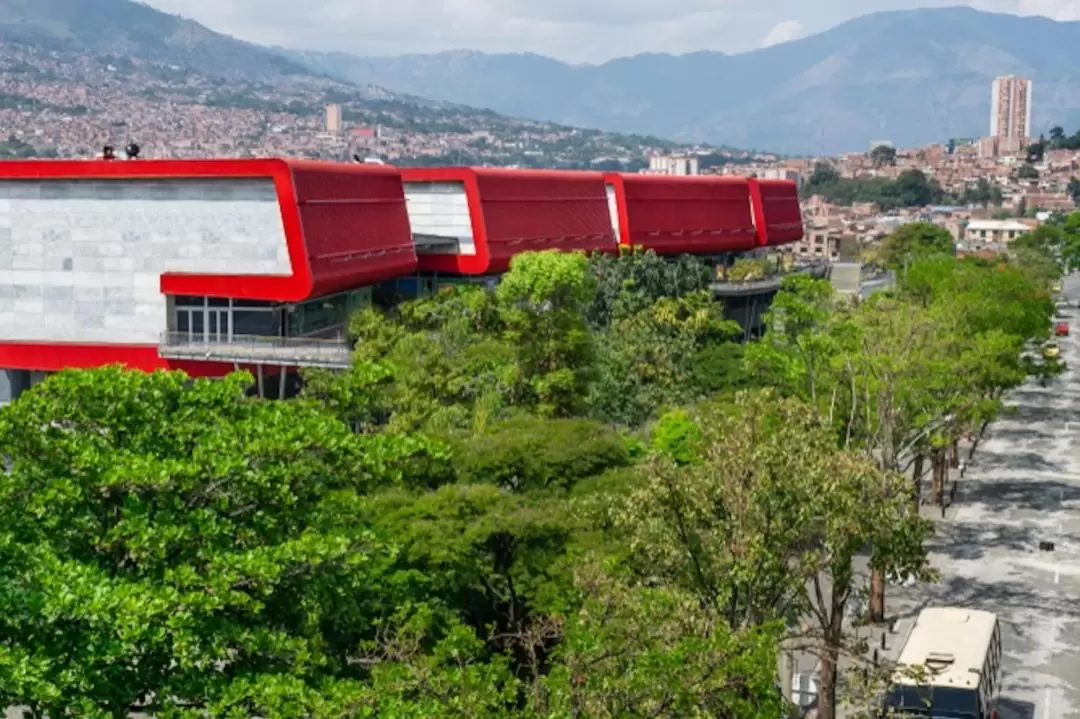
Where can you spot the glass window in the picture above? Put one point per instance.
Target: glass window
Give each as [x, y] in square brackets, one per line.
[255, 322]
[327, 312]
[254, 304]
[188, 301]
[935, 702]
[198, 321]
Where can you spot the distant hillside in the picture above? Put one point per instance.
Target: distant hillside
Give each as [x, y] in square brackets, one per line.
[74, 73]
[126, 28]
[912, 77]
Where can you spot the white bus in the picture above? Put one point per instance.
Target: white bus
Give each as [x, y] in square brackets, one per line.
[950, 667]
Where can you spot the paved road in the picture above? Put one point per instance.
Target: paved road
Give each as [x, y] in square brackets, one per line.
[1023, 488]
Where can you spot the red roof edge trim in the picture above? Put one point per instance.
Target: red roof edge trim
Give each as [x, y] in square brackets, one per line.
[615, 180]
[57, 356]
[759, 213]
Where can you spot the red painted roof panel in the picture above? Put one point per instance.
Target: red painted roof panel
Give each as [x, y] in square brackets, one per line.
[355, 225]
[515, 211]
[684, 215]
[780, 220]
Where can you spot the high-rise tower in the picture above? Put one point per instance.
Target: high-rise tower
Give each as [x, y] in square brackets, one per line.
[1010, 111]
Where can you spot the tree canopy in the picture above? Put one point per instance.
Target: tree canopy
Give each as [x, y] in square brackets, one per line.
[915, 241]
[573, 494]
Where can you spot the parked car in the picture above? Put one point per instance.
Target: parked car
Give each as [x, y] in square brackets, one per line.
[1051, 350]
[1061, 329]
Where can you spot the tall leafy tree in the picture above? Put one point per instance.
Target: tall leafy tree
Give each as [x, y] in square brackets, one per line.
[633, 280]
[914, 241]
[542, 302]
[672, 352]
[871, 371]
[160, 549]
[766, 523]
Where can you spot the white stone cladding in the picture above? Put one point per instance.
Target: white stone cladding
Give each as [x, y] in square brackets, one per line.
[81, 260]
[440, 209]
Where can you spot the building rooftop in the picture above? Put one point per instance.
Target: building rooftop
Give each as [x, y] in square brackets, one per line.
[998, 225]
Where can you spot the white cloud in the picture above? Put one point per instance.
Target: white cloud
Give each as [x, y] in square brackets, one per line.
[1056, 9]
[783, 31]
[573, 30]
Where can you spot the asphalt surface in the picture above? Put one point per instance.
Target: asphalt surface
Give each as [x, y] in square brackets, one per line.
[1022, 488]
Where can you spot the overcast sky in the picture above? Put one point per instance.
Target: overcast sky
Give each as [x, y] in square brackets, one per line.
[572, 30]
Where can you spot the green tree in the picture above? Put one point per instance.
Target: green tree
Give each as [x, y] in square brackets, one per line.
[795, 354]
[614, 337]
[982, 193]
[995, 311]
[632, 280]
[471, 354]
[823, 175]
[161, 551]
[914, 189]
[1027, 171]
[542, 301]
[883, 156]
[913, 241]
[1036, 151]
[1073, 189]
[673, 352]
[1040, 254]
[638, 651]
[899, 378]
[1070, 245]
[767, 524]
[529, 453]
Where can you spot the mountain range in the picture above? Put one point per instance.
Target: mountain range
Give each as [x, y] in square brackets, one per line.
[131, 29]
[74, 72]
[912, 77]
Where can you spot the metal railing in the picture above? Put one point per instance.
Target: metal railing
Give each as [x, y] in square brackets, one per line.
[765, 284]
[256, 349]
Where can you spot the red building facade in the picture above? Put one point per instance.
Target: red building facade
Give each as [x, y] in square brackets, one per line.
[211, 265]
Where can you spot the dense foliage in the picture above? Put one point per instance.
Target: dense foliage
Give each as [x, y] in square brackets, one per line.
[911, 188]
[572, 495]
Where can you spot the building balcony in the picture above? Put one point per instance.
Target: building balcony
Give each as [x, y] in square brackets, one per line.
[766, 285]
[257, 350]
